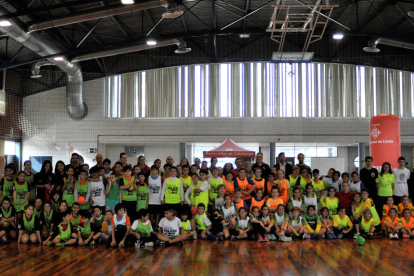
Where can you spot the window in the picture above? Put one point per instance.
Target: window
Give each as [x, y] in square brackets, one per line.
[259, 89]
[37, 162]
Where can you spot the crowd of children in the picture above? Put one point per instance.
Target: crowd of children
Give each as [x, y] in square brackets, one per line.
[147, 206]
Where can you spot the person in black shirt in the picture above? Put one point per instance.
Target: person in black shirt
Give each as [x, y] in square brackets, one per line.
[216, 231]
[282, 165]
[368, 176]
[259, 164]
[301, 164]
[60, 174]
[44, 180]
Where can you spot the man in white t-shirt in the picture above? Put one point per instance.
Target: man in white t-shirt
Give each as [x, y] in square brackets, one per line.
[401, 174]
[97, 189]
[171, 230]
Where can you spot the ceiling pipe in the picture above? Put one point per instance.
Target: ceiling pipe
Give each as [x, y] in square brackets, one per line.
[372, 44]
[123, 49]
[96, 13]
[42, 46]
[36, 68]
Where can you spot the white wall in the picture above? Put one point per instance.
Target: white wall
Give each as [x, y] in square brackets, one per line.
[161, 151]
[48, 130]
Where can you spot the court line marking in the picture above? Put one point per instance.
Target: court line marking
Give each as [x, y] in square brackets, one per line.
[130, 262]
[273, 260]
[76, 262]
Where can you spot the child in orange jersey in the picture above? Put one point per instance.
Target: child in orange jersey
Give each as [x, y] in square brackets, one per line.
[407, 223]
[274, 201]
[386, 209]
[392, 224]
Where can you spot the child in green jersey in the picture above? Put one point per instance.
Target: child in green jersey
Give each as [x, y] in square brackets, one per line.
[296, 223]
[142, 192]
[342, 225]
[82, 189]
[29, 227]
[243, 226]
[69, 186]
[203, 223]
[8, 220]
[313, 224]
[86, 231]
[47, 218]
[367, 225]
[62, 233]
[21, 193]
[141, 232]
[75, 218]
[7, 183]
[186, 224]
[129, 196]
[98, 218]
[113, 193]
[38, 207]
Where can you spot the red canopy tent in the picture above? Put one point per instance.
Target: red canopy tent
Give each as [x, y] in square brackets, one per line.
[229, 149]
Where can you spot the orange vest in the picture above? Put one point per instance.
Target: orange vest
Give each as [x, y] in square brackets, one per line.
[401, 209]
[392, 223]
[259, 185]
[245, 186]
[385, 213]
[230, 190]
[255, 203]
[269, 190]
[240, 204]
[274, 204]
[409, 224]
[283, 192]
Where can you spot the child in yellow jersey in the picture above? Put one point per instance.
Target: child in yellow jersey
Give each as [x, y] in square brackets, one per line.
[392, 225]
[407, 223]
[214, 182]
[318, 185]
[342, 225]
[331, 202]
[186, 224]
[367, 225]
[203, 224]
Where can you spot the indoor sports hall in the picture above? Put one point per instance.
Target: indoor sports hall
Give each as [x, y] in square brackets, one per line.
[206, 137]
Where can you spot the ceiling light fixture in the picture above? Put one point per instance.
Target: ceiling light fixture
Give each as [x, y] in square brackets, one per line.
[182, 50]
[127, 2]
[338, 36]
[411, 13]
[151, 42]
[5, 23]
[244, 35]
[371, 49]
[58, 58]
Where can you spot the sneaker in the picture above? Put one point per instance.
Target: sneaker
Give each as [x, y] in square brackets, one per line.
[306, 236]
[405, 236]
[340, 236]
[194, 236]
[333, 235]
[396, 236]
[158, 243]
[330, 236]
[285, 239]
[233, 238]
[216, 239]
[48, 243]
[92, 242]
[314, 237]
[4, 240]
[323, 236]
[269, 236]
[221, 238]
[370, 237]
[391, 236]
[149, 244]
[166, 243]
[59, 245]
[181, 243]
[266, 238]
[273, 237]
[260, 239]
[356, 235]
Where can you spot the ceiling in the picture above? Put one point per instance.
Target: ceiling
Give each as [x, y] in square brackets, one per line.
[212, 31]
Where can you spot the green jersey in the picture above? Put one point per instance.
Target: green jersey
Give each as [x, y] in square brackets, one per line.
[32, 188]
[142, 195]
[8, 189]
[21, 193]
[83, 191]
[98, 222]
[29, 225]
[48, 220]
[64, 235]
[68, 193]
[86, 230]
[129, 194]
[214, 183]
[143, 230]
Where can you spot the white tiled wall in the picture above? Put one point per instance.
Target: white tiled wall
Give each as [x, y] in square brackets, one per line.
[48, 130]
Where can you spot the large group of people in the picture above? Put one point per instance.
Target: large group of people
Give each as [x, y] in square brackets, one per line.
[121, 205]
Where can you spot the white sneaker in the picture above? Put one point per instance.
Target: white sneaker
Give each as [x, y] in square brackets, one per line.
[149, 244]
[391, 236]
[194, 236]
[396, 236]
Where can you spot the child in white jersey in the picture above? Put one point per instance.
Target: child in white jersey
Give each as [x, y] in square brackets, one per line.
[282, 223]
[154, 195]
[171, 230]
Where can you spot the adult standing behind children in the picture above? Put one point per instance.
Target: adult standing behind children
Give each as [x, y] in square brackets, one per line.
[44, 180]
[259, 164]
[402, 174]
[282, 165]
[368, 176]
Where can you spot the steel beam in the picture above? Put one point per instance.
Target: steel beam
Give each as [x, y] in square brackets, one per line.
[90, 31]
[374, 14]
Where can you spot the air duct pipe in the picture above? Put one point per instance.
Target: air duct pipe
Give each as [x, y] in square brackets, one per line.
[96, 13]
[36, 68]
[182, 48]
[372, 44]
[42, 46]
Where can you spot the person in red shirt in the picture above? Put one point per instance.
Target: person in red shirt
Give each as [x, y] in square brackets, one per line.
[345, 197]
[239, 164]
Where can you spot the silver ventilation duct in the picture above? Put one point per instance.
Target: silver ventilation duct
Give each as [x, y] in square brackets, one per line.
[77, 109]
[372, 44]
[182, 48]
[36, 68]
[93, 14]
